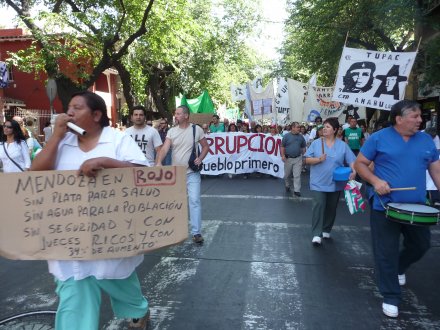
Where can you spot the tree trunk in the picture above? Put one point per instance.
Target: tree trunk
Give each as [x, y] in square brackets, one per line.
[127, 87]
[65, 89]
[159, 89]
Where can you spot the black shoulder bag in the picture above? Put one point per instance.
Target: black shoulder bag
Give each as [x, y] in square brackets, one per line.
[192, 158]
[15, 163]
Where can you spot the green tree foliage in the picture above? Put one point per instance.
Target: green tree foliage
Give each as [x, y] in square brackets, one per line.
[199, 46]
[318, 29]
[102, 30]
[159, 50]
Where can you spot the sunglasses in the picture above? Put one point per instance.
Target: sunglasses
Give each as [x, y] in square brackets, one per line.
[162, 123]
[7, 126]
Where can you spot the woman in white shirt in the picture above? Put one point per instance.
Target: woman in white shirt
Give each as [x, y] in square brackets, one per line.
[14, 152]
[79, 282]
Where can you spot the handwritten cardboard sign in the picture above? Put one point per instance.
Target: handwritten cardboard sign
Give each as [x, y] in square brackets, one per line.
[120, 213]
[200, 118]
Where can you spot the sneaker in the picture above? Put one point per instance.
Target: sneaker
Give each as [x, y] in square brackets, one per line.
[390, 310]
[316, 240]
[297, 194]
[230, 176]
[245, 176]
[287, 189]
[142, 323]
[325, 235]
[402, 279]
[197, 238]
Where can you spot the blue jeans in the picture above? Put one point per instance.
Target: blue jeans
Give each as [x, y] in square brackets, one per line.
[389, 261]
[193, 181]
[167, 159]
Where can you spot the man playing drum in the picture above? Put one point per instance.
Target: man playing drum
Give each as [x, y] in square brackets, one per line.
[401, 155]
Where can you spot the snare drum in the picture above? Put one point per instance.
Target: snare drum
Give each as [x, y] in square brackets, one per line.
[414, 214]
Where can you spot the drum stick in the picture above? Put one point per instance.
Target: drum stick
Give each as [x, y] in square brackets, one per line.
[403, 188]
[322, 145]
[76, 128]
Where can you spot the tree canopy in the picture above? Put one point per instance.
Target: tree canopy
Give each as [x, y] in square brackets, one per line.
[318, 29]
[159, 47]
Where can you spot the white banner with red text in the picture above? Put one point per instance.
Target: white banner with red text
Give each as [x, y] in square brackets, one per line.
[239, 153]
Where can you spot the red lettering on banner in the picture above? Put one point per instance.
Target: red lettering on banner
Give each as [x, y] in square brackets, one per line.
[210, 143]
[242, 141]
[220, 145]
[271, 140]
[219, 142]
[234, 144]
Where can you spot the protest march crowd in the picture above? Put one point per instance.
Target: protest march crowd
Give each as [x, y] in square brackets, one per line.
[321, 147]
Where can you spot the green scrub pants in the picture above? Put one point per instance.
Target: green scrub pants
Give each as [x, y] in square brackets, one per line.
[80, 301]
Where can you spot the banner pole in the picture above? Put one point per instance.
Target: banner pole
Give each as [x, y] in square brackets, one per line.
[420, 40]
[346, 38]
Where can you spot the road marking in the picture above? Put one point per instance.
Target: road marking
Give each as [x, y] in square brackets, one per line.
[272, 285]
[297, 199]
[272, 282]
[267, 281]
[257, 197]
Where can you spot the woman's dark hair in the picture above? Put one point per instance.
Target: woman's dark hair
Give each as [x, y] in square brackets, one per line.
[230, 125]
[256, 127]
[95, 103]
[333, 122]
[16, 130]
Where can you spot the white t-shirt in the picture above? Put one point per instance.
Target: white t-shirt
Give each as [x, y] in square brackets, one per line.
[147, 138]
[113, 144]
[47, 133]
[32, 143]
[345, 125]
[182, 142]
[19, 152]
[312, 135]
[436, 141]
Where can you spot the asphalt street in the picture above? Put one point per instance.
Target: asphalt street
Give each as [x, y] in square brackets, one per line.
[256, 270]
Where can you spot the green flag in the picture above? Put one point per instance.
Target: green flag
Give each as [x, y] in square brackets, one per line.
[202, 104]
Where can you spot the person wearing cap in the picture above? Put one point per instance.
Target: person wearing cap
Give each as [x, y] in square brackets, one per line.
[401, 155]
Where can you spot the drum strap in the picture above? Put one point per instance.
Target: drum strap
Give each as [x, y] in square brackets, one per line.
[381, 202]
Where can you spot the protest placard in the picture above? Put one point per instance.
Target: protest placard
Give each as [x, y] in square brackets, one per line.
[200, 118]
[120, 213]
